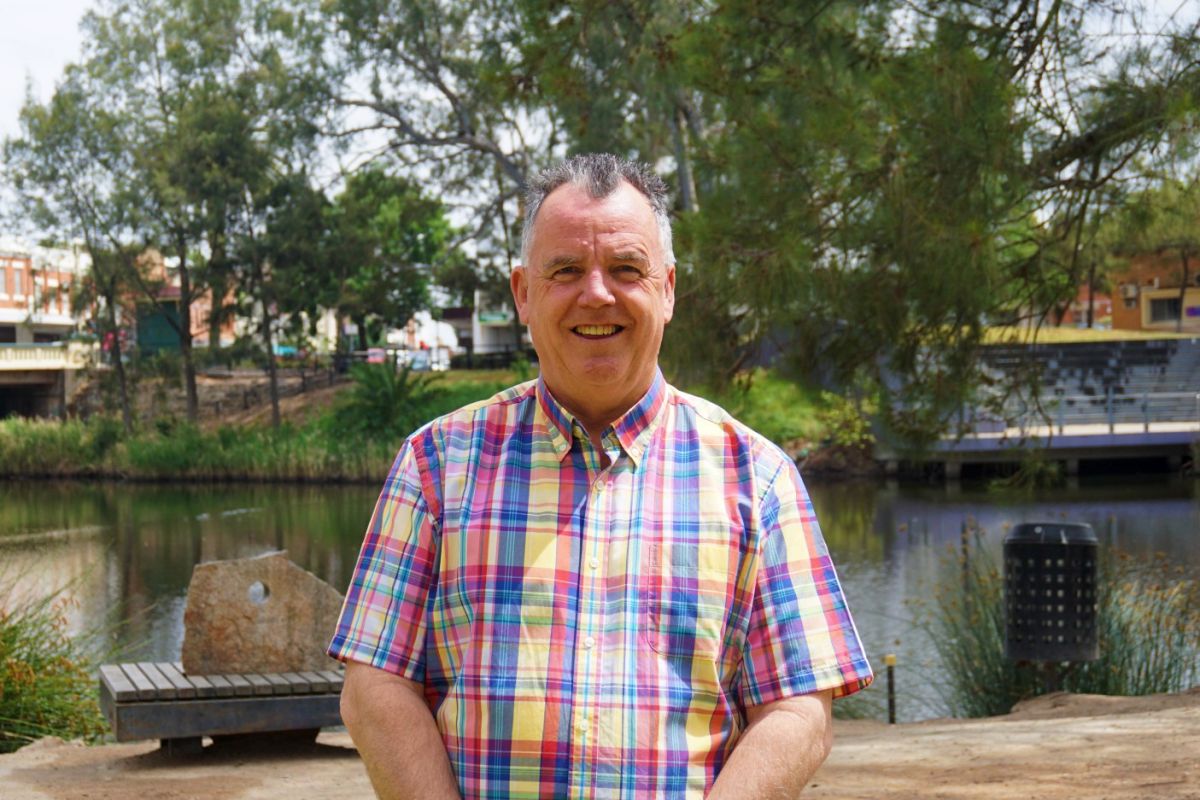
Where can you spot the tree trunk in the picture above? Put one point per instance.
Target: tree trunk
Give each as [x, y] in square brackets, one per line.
[185, 331]
[1183, 286]
[268, 320]
[1091, 294]
[110, 301]
[683, 163]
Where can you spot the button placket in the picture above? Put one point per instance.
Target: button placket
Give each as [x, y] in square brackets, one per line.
[587, 654]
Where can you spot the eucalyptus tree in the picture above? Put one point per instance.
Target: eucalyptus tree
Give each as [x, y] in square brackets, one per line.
[72, 172]
[389, 238]
[894, 177]
[864, 186]
[195, 83]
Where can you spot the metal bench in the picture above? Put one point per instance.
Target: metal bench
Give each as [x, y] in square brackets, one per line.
[158, 701]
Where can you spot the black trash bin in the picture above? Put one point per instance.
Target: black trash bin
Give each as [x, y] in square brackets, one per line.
[1050, 592]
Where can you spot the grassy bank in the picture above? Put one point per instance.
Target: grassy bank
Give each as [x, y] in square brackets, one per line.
[355, 440]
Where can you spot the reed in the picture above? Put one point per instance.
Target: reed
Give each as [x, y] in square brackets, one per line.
[46, 683]
[1148, 631]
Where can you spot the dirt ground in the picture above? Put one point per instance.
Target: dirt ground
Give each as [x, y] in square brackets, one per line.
[1054, 748]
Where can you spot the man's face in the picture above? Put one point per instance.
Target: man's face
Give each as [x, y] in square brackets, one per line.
[596, 295]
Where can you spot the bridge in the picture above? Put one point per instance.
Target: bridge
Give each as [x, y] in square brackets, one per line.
[1098, 401]
[37, 379]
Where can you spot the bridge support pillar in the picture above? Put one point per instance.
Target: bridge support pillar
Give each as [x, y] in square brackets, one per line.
[1071, 465]
[953, 470]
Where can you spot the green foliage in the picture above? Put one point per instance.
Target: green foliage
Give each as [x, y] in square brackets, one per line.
[47, 686]
[385, 402]
[1034, 471]
[1149, 635]
[388, 404]
[778, 408]
[845, 422]
[47, 447]
[388, 236]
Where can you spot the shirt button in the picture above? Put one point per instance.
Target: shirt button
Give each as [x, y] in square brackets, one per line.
[589, 642]
[594, 563]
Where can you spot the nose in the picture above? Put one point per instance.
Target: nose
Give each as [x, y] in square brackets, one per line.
[595, 291]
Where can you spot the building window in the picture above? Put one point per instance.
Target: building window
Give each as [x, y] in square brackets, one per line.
[1164, 309]
[8, 334]
[3, 281]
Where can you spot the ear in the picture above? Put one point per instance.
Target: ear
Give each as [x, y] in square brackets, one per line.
[518, 280]
[669, 294]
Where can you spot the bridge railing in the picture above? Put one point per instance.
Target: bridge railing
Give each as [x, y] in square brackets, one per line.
[1110, 409]
[50, 356]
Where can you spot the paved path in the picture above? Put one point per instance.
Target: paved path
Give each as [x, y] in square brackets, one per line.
[1081, 748]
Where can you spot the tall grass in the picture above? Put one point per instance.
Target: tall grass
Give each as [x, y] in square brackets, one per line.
[356, 440]
[1148, 632]
[46, 683]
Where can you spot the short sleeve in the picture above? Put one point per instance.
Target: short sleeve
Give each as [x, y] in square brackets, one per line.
[383, 621]
[801, 637]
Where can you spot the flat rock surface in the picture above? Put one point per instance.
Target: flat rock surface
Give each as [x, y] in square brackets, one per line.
[262, 614]
[1055, 748]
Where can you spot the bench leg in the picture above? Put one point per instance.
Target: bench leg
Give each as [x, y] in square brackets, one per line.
[183, 746]
[303, 736]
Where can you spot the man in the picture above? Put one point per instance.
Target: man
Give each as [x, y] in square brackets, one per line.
[593, 585]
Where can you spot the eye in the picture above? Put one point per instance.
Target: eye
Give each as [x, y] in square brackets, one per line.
[628, 270]
[565, 272]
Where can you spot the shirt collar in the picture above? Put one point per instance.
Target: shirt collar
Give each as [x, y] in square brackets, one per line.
[632, 429]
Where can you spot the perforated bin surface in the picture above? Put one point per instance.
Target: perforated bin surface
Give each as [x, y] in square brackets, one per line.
[1050, 592]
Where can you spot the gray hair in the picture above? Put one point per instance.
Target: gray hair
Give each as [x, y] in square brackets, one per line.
[600, 174]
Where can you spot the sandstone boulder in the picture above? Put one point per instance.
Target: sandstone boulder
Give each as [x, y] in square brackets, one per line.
[262, 614]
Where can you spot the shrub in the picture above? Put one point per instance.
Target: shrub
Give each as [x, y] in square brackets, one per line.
[43, 447]
[46, 684]
[1148, 630]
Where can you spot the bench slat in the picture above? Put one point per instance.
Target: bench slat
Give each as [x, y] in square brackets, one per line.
[279, 684]
[335, 678]
[203, 686]
[241, 686]
[261, 685]
[145, 689]
[318, 684]
[161, 685]
[183, 689]
[119, 686]
[220, 683]
[298, 683]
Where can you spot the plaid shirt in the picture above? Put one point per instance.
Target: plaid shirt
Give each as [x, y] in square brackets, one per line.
[587, 632]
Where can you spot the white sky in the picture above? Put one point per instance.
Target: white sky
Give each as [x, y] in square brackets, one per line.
[37, 39]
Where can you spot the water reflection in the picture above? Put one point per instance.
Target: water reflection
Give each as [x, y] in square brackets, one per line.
[127, 551]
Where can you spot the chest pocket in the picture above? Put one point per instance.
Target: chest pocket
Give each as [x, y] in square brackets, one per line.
[687, 598]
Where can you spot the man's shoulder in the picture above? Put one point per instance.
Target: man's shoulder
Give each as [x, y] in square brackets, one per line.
[504, 404]
[708, 417]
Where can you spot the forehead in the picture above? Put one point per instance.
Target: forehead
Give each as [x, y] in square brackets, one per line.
[570, 216]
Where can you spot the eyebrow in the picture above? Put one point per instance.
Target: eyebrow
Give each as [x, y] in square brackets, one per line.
[632, 256]
[559, 261]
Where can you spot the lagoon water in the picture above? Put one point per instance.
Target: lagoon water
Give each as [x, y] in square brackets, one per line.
[123, 553]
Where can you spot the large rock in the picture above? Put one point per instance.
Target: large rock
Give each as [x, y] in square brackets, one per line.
[262, 614]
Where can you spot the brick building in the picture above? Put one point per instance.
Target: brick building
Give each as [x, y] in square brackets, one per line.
[1148, 296]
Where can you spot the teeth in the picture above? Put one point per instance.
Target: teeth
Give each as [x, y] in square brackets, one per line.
[596, 330]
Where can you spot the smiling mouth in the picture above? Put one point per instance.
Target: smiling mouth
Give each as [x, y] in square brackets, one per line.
[597, 331]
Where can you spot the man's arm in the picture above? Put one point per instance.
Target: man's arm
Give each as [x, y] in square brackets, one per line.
[396, 735]
[780, 751]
